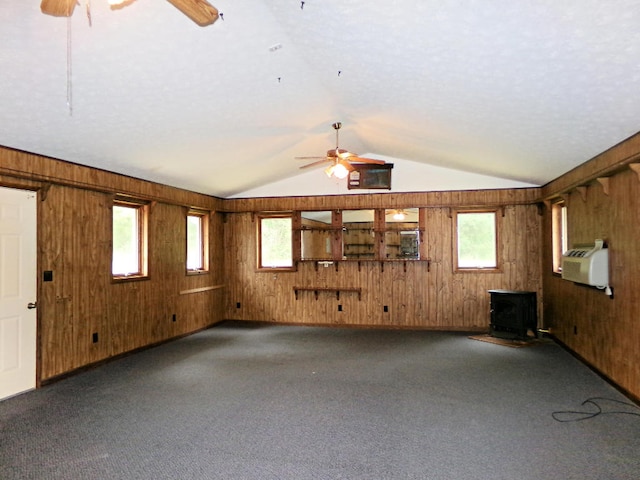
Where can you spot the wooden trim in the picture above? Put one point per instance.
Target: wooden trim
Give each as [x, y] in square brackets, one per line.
[607, 163]
[67, 174]
[440, 199]
[201, 289]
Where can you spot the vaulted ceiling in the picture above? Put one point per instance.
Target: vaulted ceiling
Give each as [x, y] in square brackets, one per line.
[457, 94]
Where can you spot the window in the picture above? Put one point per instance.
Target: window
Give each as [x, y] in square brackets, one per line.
[275, 239]
[559, 239]
[476, 240]
[129, 258]
[197, 242]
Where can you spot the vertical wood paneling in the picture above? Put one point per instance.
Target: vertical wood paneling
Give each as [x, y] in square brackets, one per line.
[603, 331]
[420, 295]
[74, 242]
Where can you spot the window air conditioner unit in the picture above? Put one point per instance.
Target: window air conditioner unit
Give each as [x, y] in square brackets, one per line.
[587, 265]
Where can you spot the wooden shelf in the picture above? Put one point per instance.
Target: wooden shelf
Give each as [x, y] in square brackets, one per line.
[337, 290]
[360, 261]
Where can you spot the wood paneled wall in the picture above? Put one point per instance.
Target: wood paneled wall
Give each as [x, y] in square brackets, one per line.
[603, 331]
[74, 242]
[417, 295]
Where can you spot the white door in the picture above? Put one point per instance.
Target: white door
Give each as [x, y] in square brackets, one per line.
[18, 281]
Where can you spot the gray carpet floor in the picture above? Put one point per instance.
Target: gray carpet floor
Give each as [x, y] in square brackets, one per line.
[286, 402]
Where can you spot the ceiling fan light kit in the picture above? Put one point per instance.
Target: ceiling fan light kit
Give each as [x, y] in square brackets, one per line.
[342, 161]
[339, 170]
[399, 215]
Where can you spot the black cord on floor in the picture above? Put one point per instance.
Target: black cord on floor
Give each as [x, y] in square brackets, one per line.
[576, 416]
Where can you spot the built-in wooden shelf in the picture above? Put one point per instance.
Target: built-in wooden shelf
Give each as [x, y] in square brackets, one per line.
[360, 261]
[337, 290]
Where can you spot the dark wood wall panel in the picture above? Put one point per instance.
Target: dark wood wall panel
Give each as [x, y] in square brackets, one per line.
[74, 242]
[601, 330]
[418, 295]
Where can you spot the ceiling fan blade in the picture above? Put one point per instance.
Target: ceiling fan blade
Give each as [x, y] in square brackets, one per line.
[319, 162]
[309, 158]
[200, 11]
[58, 8]
[356, 159]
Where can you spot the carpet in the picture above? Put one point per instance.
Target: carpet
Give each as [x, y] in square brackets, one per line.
[507, 342]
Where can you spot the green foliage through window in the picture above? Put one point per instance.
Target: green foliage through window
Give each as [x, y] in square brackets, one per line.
[194, 243]
[126, 243]
[275, 242]
[477, 240]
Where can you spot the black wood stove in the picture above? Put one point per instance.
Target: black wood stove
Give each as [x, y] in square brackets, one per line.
[513, 314]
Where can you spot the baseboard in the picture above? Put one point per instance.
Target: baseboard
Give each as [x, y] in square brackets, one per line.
[631, 396]
[104, 361]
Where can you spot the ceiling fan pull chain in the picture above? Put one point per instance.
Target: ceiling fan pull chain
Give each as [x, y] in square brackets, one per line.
[88, 7]
[69, 64]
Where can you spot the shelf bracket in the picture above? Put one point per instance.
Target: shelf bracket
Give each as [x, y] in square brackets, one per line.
[636, 168]
[582, 190]
[44, 191]
[604, 181]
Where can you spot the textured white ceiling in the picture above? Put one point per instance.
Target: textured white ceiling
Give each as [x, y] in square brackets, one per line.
[521, 91]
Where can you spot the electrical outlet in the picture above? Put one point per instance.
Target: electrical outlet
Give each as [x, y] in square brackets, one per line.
[575, 329]
[386, 309]
[339, 308]
[94, 337]
[173, 317]
[238, 305]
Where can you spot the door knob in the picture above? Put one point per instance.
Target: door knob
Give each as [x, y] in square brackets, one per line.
[32, 305]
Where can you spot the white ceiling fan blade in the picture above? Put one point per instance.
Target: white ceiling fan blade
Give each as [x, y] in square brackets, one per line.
[58, 8]
[200, 11]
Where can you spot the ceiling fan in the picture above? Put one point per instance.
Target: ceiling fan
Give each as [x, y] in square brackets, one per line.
[339, 158]
[200, 11]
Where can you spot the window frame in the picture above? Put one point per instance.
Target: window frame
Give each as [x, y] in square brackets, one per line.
[559, 234]
[142, 210]
[259, 266]
[204, 241]
[455, 243]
